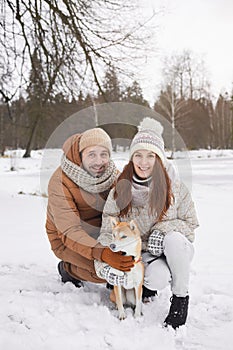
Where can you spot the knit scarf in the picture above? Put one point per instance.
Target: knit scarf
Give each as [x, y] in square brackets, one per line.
[140, 192]
[86, 181]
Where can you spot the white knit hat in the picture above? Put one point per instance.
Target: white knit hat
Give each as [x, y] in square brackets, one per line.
[95, 137]
[149, 137]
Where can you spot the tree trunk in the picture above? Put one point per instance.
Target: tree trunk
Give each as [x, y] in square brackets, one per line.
[2, 146]
[30, 143]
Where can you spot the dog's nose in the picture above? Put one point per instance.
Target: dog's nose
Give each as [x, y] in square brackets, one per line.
[112, 246]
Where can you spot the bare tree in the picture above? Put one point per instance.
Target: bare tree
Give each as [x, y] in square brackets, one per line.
[173, 108]
[75, 40]
[184, 81]
[188, 75]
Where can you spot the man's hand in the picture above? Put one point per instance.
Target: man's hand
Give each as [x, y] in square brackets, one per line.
[117, 260]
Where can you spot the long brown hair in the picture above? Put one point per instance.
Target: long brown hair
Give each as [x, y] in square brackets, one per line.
[160, 195]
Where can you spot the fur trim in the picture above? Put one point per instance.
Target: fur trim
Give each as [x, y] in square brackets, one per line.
[151, 124]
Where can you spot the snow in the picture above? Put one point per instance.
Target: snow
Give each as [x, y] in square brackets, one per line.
[39, 312]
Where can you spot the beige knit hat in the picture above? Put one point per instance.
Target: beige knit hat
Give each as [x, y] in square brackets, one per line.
[95, 137]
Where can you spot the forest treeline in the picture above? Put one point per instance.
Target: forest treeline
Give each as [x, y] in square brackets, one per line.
[61, 57]
[200, 122]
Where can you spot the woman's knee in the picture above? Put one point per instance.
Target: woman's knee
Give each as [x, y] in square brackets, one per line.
[157, 275]
[175, 242]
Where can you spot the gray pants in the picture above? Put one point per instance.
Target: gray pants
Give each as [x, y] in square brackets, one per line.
[173, 267]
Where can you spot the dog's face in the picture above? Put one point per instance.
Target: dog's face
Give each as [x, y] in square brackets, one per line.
[124, 235]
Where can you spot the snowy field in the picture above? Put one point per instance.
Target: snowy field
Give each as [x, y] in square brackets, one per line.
[37, 312]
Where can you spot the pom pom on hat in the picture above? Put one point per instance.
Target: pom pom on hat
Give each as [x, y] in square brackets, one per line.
[149, 137]
[95, 137]
[152, 125]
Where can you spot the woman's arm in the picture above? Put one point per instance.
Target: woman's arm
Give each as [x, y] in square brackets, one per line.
[181, 216]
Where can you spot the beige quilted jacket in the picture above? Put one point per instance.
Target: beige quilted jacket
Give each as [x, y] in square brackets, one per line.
[181, 217]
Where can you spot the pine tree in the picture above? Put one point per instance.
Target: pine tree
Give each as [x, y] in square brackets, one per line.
[36, 103]
[133, 94]
[223, 122]
[111, 87]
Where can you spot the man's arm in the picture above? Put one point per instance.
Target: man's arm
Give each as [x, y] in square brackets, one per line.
[66, 218]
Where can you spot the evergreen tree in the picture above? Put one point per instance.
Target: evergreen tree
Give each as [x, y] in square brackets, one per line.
[133, 94]
[199, 134]
[223, 121]
[36, 103]
[111, 88]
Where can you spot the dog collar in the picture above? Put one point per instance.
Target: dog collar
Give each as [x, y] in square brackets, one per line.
[137, 261]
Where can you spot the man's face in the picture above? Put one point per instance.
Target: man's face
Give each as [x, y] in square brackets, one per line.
[95, 160]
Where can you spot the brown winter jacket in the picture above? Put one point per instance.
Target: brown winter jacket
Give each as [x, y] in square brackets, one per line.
[74, 219]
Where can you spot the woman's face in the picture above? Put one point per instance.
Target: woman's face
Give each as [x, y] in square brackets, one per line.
[143, 163]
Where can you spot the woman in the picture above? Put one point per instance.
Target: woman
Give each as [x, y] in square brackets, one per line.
[149, 192]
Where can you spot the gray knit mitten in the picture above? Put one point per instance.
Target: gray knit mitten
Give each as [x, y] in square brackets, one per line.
[114, 277]
[155, 243]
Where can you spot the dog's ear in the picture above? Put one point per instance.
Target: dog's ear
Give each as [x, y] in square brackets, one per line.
[113, 221]
[132, 225]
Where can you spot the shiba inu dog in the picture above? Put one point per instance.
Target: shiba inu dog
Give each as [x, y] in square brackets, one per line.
[126, 238]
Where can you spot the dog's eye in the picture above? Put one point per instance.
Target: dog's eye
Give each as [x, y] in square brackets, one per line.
[123, 236]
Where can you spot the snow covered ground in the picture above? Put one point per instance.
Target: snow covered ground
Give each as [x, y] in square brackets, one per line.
[38, 312]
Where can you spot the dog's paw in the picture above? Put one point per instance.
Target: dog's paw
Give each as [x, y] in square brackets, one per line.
[122, 316]
[138, 312]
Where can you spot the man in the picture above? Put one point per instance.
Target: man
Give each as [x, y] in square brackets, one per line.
[77, 192]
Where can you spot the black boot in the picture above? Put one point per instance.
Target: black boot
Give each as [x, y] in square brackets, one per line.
[65, 277]
[178, 312]
[148, 294]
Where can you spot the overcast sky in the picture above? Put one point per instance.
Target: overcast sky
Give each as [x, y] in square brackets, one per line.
[203, 26]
